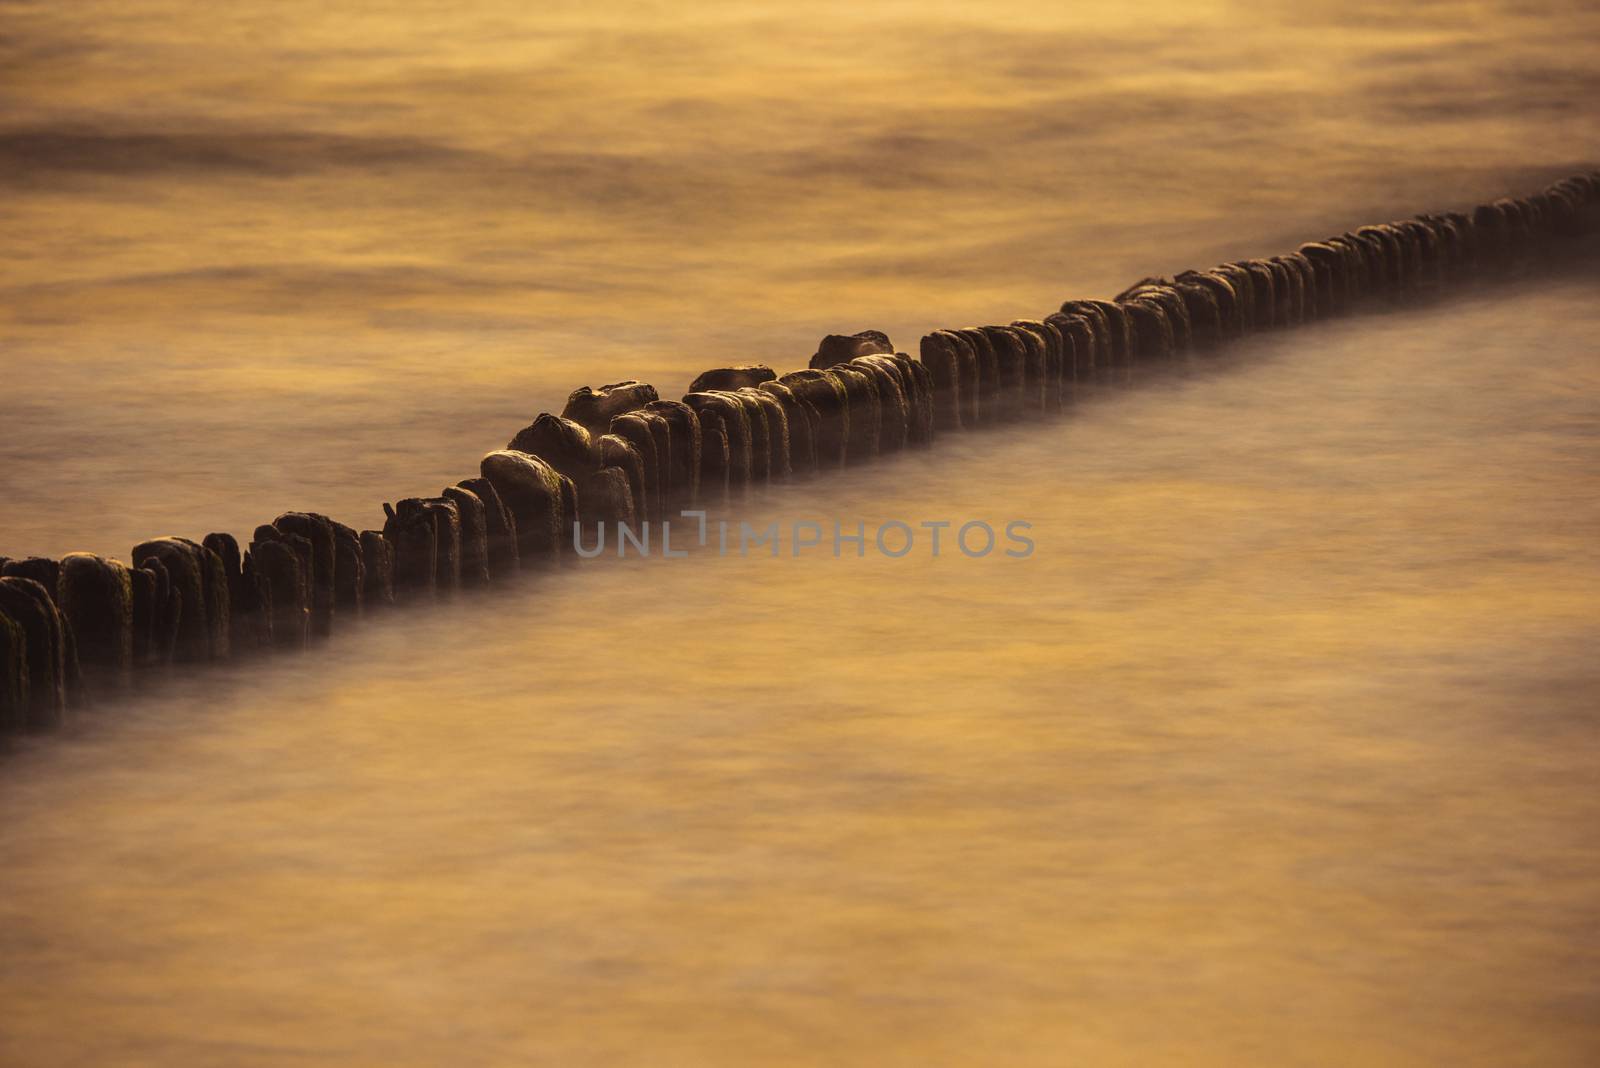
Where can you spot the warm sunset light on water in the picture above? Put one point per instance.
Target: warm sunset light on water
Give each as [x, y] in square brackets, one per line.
[1278, 750]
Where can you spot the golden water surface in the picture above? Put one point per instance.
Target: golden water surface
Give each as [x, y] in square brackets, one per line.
[1280, 749]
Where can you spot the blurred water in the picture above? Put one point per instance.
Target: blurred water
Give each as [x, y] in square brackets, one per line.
[316, 256]
[1279, 750]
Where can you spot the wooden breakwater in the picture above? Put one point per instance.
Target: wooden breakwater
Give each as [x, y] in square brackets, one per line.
[86, 628]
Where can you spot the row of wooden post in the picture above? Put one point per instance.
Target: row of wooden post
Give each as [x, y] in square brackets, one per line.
[86, 628]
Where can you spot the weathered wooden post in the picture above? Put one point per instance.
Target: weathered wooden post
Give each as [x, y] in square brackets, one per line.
[683, 453]
[13, 675]
[41, 569]
[734, 425]
[594, 409]
[474, 535]
[29, 605]
[285, 565]
[200, 588]
[96, 597]
[318, 530]
[823, 393]
[531, 490]
[500, 528]
[349, 572]
[800, 424]
[377, 561]
[414, 538]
